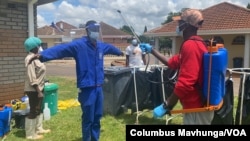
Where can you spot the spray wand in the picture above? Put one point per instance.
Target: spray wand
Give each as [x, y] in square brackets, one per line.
[128, 26]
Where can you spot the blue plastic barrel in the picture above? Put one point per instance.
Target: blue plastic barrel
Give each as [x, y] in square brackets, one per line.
[8, 122]
[216, 75]
[5, 120]
[1, 127]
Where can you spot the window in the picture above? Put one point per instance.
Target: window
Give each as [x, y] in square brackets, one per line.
[239, 40]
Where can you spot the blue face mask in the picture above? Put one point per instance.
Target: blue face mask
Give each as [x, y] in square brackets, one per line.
[94, 36]
[178, 31]
[134, 42]
[40, 49]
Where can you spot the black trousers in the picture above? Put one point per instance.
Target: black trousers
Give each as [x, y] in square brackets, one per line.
[35, 104]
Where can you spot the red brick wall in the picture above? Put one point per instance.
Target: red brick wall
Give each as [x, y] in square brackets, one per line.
[13, 32]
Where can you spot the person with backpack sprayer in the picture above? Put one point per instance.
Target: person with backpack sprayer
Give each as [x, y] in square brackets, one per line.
[189, 63]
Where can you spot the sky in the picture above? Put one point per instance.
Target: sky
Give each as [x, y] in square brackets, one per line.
[134, 13]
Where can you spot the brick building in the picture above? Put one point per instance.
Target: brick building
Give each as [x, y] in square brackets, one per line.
[17, 22]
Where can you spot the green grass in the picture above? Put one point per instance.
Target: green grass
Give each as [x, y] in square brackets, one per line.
[66, 124]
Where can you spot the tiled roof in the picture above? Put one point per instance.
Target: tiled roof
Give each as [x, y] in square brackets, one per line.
[226, 16]
[45, 30]
[65, 25]
[221, 17]
[63, 29]
[107, 30]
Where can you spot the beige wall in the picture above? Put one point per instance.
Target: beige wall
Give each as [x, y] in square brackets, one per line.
[233, 50]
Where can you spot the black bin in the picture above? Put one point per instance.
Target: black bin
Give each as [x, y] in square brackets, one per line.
[116, 83]
[237, 62]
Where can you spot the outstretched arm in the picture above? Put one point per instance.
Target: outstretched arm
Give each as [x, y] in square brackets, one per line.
[148, 49]
[110, 49]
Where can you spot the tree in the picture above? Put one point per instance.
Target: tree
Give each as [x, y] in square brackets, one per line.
[166, 42]
[143, 38]
[170, 16]
[127, 29]
[248, 6]
[145, 29]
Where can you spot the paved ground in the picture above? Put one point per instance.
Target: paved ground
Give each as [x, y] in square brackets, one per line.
[66, 68]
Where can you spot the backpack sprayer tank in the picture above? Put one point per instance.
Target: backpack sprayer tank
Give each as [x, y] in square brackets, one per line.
[215, 67]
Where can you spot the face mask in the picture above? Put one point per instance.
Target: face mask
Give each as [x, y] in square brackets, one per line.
[134, 42]
[178, 32]
[94, 36]
[40, 49]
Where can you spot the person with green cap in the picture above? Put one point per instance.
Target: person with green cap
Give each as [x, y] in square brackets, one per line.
[33, 88]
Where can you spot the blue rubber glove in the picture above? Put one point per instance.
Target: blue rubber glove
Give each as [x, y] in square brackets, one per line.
[160, 111]
[146, 47]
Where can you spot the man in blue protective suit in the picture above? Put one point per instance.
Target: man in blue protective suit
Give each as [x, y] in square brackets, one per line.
[88, 53]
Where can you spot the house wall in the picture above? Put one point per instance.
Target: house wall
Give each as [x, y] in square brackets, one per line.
[51, 41]
[121, 43]
[13, 32]
[233, 50]
[179, 41]
[115, 40]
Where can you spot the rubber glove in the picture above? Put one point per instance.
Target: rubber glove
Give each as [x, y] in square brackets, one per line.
[146, 47]
[160, 111]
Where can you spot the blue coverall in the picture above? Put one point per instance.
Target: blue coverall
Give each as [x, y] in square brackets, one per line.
[90, 77]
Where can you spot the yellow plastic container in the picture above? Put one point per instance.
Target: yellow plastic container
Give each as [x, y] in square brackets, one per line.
[23, 106]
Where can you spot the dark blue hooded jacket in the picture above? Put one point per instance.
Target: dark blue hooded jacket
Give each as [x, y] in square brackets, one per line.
[89, 59]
